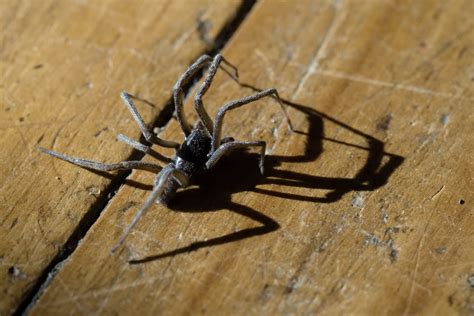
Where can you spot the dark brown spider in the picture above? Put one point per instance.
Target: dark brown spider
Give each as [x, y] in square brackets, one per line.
[201, 149]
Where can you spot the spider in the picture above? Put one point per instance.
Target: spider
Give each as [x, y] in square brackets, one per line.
[203, 145]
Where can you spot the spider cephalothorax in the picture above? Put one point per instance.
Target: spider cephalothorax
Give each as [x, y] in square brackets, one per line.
[202, 148]
[190, 159]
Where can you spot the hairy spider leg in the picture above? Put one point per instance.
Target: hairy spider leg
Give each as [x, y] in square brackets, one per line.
[161, 180]
[198, 104]
[218, 121]
[143, 148]
[95, 165]
[228, 147]
[178, 93]
[149, 136]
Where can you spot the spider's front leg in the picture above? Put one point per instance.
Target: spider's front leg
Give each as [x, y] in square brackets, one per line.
[178, 92]
[143, 148]
[198, 105]
[149, 136]
[162, 180]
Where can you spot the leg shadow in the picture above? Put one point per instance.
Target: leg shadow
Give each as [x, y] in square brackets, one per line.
[239, 172]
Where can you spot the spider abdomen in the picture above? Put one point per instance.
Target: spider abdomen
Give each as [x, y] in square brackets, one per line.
[169, 191]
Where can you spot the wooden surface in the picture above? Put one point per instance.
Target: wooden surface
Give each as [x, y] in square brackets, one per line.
[64, 64]
[366, 209]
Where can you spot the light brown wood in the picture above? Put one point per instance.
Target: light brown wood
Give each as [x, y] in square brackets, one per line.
[63, 64]
[367, 209]
[399, 73]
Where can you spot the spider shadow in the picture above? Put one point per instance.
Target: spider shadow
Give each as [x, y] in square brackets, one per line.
[214, 191]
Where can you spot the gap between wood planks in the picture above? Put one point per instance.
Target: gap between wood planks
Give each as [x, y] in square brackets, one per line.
[118, 180]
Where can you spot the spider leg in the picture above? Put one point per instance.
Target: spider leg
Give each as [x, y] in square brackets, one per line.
[202, 62]
[161, 181]
[227, 147]
[149, 136]
[216, 137]
[198, 105]
[90, 164]
[143, 148]
[178, 92]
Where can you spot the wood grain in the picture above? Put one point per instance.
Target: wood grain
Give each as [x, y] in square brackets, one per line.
[63, 64]
[340, 226]
[366, 209]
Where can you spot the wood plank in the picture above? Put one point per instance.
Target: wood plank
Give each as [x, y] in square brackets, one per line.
[366, 210]
[63, 64]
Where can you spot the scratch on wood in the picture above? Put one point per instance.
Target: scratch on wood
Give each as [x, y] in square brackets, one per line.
[322, 49]
[182, 39]
[437, 193]
[107, 291]
[375, 82]
[81, 308]
[268, 64]
[413, 281]
[417, 263]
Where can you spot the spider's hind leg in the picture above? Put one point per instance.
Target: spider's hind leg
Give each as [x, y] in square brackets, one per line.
[232, 145]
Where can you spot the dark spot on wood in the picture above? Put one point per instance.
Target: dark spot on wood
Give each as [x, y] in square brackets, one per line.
[38, 66]
[429, 74]
[384, 123]
[21, 119]
[470, 280]
[372, 240]
[127, 206]
[291, 286]
[462, 51]
[441, 250]
[444, 119]
[265, 294]
[393, 255]
[39, 139]
[14, 223]
[461, 202]
[450, 300]
[394, 229]
[100, 132]
[203, 26]
[14, 271]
